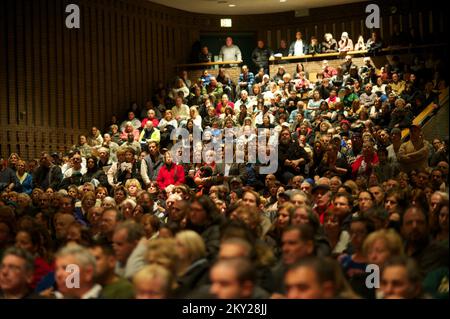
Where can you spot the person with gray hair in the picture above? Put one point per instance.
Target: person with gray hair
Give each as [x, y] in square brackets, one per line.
[329, 44]
[75, 270]
[128, 247]
[298, 197]
[345, 44]
[16, 274]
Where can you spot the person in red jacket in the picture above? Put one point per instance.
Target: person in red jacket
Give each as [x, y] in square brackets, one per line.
[170, 173]
[364, 163]
[30, 239]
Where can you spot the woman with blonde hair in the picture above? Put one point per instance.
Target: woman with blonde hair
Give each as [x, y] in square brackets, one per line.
[163, 252]
[195, 116]
[108, 202]
[25, 179]
[167, 120]
[193, 265]
[13, 159]
[133, 186]
[382, 244]
[153, 282]
[360, 45]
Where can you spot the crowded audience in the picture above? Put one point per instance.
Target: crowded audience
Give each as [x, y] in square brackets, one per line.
[142, 221]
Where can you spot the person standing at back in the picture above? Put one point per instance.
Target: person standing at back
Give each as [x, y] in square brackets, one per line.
[298, 47]
[230, 51]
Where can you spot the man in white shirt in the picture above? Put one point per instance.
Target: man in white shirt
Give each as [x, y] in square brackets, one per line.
[298, 47]
[76, 166]
[230, 51]
[244, 100]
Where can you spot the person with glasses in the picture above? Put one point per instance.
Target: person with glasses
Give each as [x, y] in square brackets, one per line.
[366, 201]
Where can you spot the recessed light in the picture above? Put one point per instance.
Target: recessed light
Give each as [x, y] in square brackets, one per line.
[282, 0]
[231, 5]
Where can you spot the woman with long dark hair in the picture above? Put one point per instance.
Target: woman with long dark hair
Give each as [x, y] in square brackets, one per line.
[204, 218]
[395, 204]
[94, 174]
[37, 242]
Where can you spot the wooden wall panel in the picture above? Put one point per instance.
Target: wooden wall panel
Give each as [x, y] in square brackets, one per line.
[3, 77]
[93, 105]
[120, 59]
[26, 114]
[108, 67]
[60, 71]
[99, 109]
[11, 65]
[80, 69]
[113, 80]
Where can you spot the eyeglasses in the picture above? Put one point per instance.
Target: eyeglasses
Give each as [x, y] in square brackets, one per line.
[13, 268]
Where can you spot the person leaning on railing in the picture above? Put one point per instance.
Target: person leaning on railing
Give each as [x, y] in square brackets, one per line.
[329, 45]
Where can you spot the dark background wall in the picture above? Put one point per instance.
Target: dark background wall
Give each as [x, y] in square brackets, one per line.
[55, 83]
[244, 40]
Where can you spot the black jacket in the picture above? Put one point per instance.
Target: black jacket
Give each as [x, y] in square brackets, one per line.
[8, 176]
[329, 47]
[48, 177]
[196, 276]
[260, 57]
[314, 49]
[292, 151]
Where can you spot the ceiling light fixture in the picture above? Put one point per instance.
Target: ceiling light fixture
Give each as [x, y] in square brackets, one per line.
[231, 5]
[282, 0]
